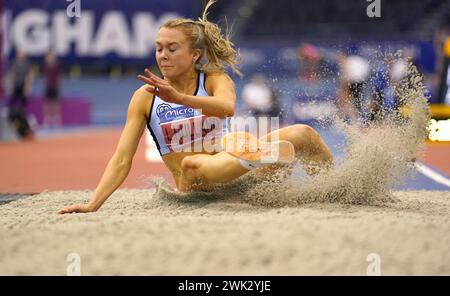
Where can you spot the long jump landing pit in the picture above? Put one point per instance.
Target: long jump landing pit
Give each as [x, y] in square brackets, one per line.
[138, 233]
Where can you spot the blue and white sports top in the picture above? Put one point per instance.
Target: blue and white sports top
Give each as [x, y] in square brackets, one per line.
[177, 128]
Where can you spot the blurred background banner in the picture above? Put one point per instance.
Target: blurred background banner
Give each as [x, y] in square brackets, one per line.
[116, 31]
[94, 41]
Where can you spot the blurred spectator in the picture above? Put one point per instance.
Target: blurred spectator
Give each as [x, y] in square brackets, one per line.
[441, 34]
[52, 76]
[445, 83]
[276, 109]
[354, 75]
[309, 59]
[389, 75]
[381, 90]
[261, 101]
[20, 78]
[442, 47]
[259, 98]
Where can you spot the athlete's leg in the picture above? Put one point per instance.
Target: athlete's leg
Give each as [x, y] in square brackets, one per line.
[201, 170]
[309, 147]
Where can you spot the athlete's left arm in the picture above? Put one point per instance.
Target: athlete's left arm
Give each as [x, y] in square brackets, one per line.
[220, 103]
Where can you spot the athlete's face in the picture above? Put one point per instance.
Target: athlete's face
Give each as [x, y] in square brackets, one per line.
[174, 54]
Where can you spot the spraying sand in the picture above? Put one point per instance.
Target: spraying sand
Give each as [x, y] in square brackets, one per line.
[379, 156]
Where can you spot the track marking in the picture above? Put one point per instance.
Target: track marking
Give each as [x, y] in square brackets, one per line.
[433, 175]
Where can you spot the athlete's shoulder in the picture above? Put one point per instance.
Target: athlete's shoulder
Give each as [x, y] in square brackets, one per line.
[218, 75]
[142, 92]
[142, 99]
[142, 95]
[214, 79]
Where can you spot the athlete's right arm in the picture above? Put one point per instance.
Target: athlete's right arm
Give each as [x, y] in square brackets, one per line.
[120, 163]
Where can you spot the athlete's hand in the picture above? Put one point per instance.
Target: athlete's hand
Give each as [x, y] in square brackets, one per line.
[79, 208]
[161, 88]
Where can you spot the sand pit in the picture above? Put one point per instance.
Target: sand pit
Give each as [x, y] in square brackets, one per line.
[137, 233]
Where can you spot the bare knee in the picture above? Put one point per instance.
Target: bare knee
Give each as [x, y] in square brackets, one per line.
[303, 129]
[308, 143]
[190, 179]
[190, 163]
[302, 136]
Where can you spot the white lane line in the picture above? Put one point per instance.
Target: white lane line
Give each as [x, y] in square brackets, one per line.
[433, 175]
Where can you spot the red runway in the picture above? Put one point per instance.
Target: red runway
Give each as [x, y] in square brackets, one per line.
[69, 162]
[76, 161]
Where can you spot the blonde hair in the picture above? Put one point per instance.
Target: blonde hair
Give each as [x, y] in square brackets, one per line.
[217, 51]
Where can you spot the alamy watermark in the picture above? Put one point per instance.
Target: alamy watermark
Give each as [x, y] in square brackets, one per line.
[374, 267]
[374, 8]
[200, 133]
[74, 267]
[74, 8]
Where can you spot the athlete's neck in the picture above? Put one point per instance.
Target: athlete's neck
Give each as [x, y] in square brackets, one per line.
[186, 83]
